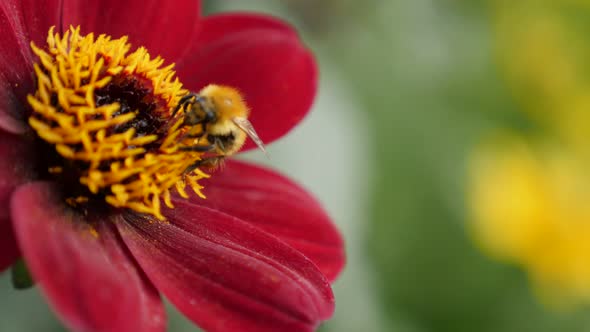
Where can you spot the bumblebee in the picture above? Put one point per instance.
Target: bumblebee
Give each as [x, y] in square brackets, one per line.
[217, 121]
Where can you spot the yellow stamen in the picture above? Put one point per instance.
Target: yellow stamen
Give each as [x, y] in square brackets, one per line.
[130, 167]
[74, 201]
[55, 170]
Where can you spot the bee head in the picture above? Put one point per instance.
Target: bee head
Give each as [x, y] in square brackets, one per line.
[231, 127]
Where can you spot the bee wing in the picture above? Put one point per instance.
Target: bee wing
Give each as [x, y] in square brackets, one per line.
[247, 127]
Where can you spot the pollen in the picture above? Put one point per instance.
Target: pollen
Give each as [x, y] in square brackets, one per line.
[106, 113]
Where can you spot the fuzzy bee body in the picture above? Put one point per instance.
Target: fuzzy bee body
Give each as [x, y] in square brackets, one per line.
[217, 119]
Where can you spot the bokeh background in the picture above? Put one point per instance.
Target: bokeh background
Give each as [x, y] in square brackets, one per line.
[449, 143]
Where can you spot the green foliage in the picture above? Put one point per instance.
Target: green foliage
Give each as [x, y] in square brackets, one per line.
[427, 111]
[21, 277]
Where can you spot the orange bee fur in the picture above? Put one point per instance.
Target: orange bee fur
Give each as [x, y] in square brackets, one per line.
[217, 118]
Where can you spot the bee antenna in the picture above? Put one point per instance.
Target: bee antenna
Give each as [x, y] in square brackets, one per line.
[247, 127]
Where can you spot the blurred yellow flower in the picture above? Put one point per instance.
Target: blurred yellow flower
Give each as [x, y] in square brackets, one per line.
[543, 47]
[531, 207]
[531, 202]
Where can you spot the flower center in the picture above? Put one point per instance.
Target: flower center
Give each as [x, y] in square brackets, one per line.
[106, 121]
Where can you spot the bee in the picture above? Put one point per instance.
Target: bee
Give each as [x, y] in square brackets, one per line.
[217, 120]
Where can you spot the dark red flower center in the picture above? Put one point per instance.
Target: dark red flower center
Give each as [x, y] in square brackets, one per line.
[134, 94]
[107, 127]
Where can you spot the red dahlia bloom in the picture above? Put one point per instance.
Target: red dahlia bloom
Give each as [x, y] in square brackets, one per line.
[257, 255]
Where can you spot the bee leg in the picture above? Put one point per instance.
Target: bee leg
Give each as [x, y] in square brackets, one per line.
[219, 143]
[183, 101]
[189, 135]
[211, 162]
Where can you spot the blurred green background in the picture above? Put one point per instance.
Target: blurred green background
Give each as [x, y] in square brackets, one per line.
[408, 89]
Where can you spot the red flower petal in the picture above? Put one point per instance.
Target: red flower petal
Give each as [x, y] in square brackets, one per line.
[227, 275]
[163, 27]
[16, 66]
[214, 27]
[11, 109]
[39, 16]
[280, 207]
[8, 248]
[15, 169]
[90, 280]
[264, 59]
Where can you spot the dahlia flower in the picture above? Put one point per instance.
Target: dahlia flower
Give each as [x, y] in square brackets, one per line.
[94, 164]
